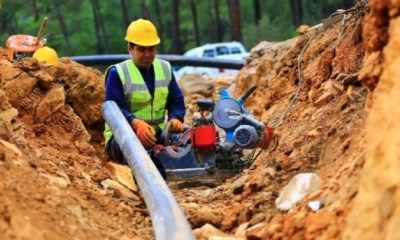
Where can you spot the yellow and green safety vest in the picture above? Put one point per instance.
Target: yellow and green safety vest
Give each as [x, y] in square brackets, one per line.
[137, 96]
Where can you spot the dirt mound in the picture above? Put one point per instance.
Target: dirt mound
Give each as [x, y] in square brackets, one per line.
[322, 133]
[3, 53]
[342, 126]
[50, 186]
[378, 196]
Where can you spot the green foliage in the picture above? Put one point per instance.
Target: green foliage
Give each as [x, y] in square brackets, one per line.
[17, 17]
[267, 30]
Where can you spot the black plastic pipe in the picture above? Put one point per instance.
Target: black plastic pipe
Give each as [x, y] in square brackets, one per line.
[169, 223]
[175, 60]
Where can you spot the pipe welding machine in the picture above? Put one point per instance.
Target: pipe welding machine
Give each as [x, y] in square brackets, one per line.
[200, 153]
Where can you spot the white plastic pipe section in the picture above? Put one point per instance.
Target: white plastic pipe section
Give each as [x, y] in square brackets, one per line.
[169, 223]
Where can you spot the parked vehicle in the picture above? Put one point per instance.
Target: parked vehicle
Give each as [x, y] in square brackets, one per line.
[225, 50]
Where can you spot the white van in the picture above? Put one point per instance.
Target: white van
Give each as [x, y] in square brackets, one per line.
[225, 50]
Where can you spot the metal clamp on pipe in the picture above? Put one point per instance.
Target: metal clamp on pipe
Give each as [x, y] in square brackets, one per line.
[168, 220]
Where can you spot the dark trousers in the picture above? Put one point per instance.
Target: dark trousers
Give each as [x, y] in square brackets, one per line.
[114, 153]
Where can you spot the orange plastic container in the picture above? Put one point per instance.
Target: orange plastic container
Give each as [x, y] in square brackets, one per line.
[20, 46]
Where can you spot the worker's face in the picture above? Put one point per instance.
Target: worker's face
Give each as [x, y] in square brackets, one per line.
[142, 56]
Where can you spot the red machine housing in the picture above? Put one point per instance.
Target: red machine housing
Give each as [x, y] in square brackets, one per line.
[267, 136]
[203, 137]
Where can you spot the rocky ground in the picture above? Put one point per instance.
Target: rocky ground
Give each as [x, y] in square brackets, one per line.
[342, 127]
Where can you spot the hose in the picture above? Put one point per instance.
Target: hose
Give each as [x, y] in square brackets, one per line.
[175, 60]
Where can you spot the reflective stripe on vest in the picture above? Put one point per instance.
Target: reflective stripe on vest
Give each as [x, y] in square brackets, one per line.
[137, 96]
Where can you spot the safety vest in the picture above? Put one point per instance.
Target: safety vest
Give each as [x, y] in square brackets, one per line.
[137, 96]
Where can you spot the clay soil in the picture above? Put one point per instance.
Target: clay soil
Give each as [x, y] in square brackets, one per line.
[52, 148]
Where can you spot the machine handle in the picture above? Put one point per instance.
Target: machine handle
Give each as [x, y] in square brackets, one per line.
[247, 94]
[41, 31]
[167, 133]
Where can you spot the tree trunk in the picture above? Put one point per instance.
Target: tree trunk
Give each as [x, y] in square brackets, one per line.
[63, 26]
[211, 35]
[257, 11]
[234, 14]
[124, 10]
[99, 45]
[175, 28]
[218, 21]
[145, 10]
[7, 17]
[297, 12]
[195, 25]
[160, 26]
[101, 25]
[35, 11]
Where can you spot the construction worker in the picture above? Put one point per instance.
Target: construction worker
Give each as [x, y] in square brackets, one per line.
[144, 87]
[46, 55]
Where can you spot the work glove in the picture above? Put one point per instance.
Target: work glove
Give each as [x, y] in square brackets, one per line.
[144, 132]
[176, 125]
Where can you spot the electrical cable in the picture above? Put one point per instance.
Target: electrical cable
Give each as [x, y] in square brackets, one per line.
[299, 69]
[300, 80]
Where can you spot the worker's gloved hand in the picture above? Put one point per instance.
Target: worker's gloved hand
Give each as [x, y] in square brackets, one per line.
[177, 126]
[145, 133]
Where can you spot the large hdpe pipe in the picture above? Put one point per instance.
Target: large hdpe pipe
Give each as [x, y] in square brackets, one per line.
[175, 60]
[169, 223]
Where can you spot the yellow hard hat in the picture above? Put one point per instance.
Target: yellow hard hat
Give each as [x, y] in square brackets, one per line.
[142, 32]
[46, 55]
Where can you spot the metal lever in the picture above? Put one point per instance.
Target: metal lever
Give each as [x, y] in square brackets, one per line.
[248, 93]
[231, 112]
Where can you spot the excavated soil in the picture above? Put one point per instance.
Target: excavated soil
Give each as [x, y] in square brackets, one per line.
[342, 126]
[51, 172]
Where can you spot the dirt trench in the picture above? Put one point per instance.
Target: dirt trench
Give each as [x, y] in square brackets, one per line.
[342, 126]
